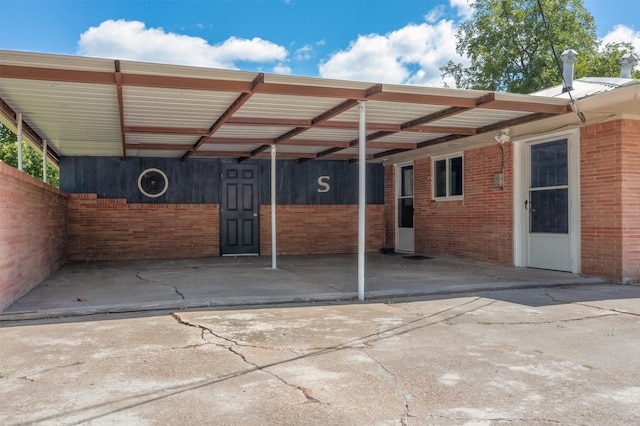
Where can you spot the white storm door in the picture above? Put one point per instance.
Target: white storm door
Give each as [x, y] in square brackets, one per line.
[405, 237]
[547, 204]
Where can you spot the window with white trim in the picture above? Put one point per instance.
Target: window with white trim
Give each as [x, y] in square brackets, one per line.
[448, 177]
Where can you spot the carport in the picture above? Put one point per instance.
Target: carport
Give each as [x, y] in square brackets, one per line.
[76, 109]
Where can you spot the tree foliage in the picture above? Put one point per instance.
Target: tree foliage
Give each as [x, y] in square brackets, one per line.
[508, 47]
[31, 159]
[606, 61]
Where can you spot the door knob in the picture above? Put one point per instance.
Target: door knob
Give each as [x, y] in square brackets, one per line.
[255, 215]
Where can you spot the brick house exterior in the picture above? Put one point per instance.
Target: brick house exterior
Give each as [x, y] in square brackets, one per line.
[102, 211]
[481, 227]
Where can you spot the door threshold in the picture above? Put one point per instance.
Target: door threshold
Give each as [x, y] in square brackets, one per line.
[240, 254]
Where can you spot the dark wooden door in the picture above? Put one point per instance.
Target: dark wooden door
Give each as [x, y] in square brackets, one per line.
[239, 210]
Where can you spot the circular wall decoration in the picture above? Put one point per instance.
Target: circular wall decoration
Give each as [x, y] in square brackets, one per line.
[153, 182]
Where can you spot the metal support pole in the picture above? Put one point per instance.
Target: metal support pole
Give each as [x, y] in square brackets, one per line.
[19, 141]
[362, 198]
[273, 207]
[44, 160]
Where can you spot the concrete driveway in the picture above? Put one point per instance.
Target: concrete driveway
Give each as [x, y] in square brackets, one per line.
[541, 356]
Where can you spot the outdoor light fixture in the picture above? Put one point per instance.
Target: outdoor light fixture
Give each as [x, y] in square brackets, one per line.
[503, 136]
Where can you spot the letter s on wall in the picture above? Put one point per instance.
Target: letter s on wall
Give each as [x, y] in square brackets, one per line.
[323, 185]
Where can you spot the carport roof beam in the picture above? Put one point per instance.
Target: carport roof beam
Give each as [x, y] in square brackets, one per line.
[235, 106]
[327, 115]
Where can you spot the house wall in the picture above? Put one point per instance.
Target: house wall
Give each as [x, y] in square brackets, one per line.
[610, 200]
[197, 181]
[479, 227]
[33, 232]
[390, 206]
[320, 229]
[114, 221]
[112, 229]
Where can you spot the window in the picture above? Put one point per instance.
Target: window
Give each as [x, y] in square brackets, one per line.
[448, 177]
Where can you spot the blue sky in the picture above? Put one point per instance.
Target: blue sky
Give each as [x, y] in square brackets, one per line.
[401, 41]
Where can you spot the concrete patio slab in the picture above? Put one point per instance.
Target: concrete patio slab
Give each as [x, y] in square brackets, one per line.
[101, 287]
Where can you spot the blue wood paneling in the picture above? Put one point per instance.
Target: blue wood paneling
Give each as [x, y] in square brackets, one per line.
[198, 180]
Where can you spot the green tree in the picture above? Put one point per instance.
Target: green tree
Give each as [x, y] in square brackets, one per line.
[606, 61]
[31, 159]
[508, 46]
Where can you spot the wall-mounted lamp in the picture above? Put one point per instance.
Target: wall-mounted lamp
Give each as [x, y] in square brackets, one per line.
[503, 136]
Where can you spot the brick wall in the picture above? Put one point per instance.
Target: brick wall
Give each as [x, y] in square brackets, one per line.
[390, 206]
[630, 134]
[320, 229]
[33, 234]
[480, 227]
[112, 229]
[610, 206]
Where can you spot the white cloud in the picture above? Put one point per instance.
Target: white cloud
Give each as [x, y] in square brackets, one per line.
[465, 10]
[282, 69]
[623, 34]
[435, 14]
[412, 54]
[132, 40]
[304, 53]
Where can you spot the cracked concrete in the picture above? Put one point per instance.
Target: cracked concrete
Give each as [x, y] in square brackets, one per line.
[130, 286]
[175, 288]
[231, 347]
[528, 357]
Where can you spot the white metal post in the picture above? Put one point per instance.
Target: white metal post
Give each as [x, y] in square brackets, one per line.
[273, 207]
[362, 198]
[44, 160]
[20, 141]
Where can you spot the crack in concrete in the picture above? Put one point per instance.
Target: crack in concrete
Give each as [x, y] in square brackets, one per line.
[406, 395]
[57, 367]
[256, 367]
[177, 291]
[502, 419]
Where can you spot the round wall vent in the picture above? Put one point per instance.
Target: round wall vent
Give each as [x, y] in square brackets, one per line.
[153, 183]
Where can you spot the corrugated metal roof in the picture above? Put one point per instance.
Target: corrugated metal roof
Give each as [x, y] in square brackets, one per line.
[88, 106]
[584, 87]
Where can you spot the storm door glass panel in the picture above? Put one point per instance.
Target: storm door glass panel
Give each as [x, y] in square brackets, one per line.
[549, 164]
[455, 176]
[441, 178]
[550, 211]
[405, 200]
[549, 188]
[406, 212]
[407, 181]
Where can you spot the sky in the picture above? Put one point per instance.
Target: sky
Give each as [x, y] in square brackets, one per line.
[382, 41]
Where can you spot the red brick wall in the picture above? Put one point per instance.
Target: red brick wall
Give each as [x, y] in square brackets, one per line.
[610, 206]
[33, 233]
[630, 134]
[320, 229]
[479, 227]
[112, 229]
[390, 206]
